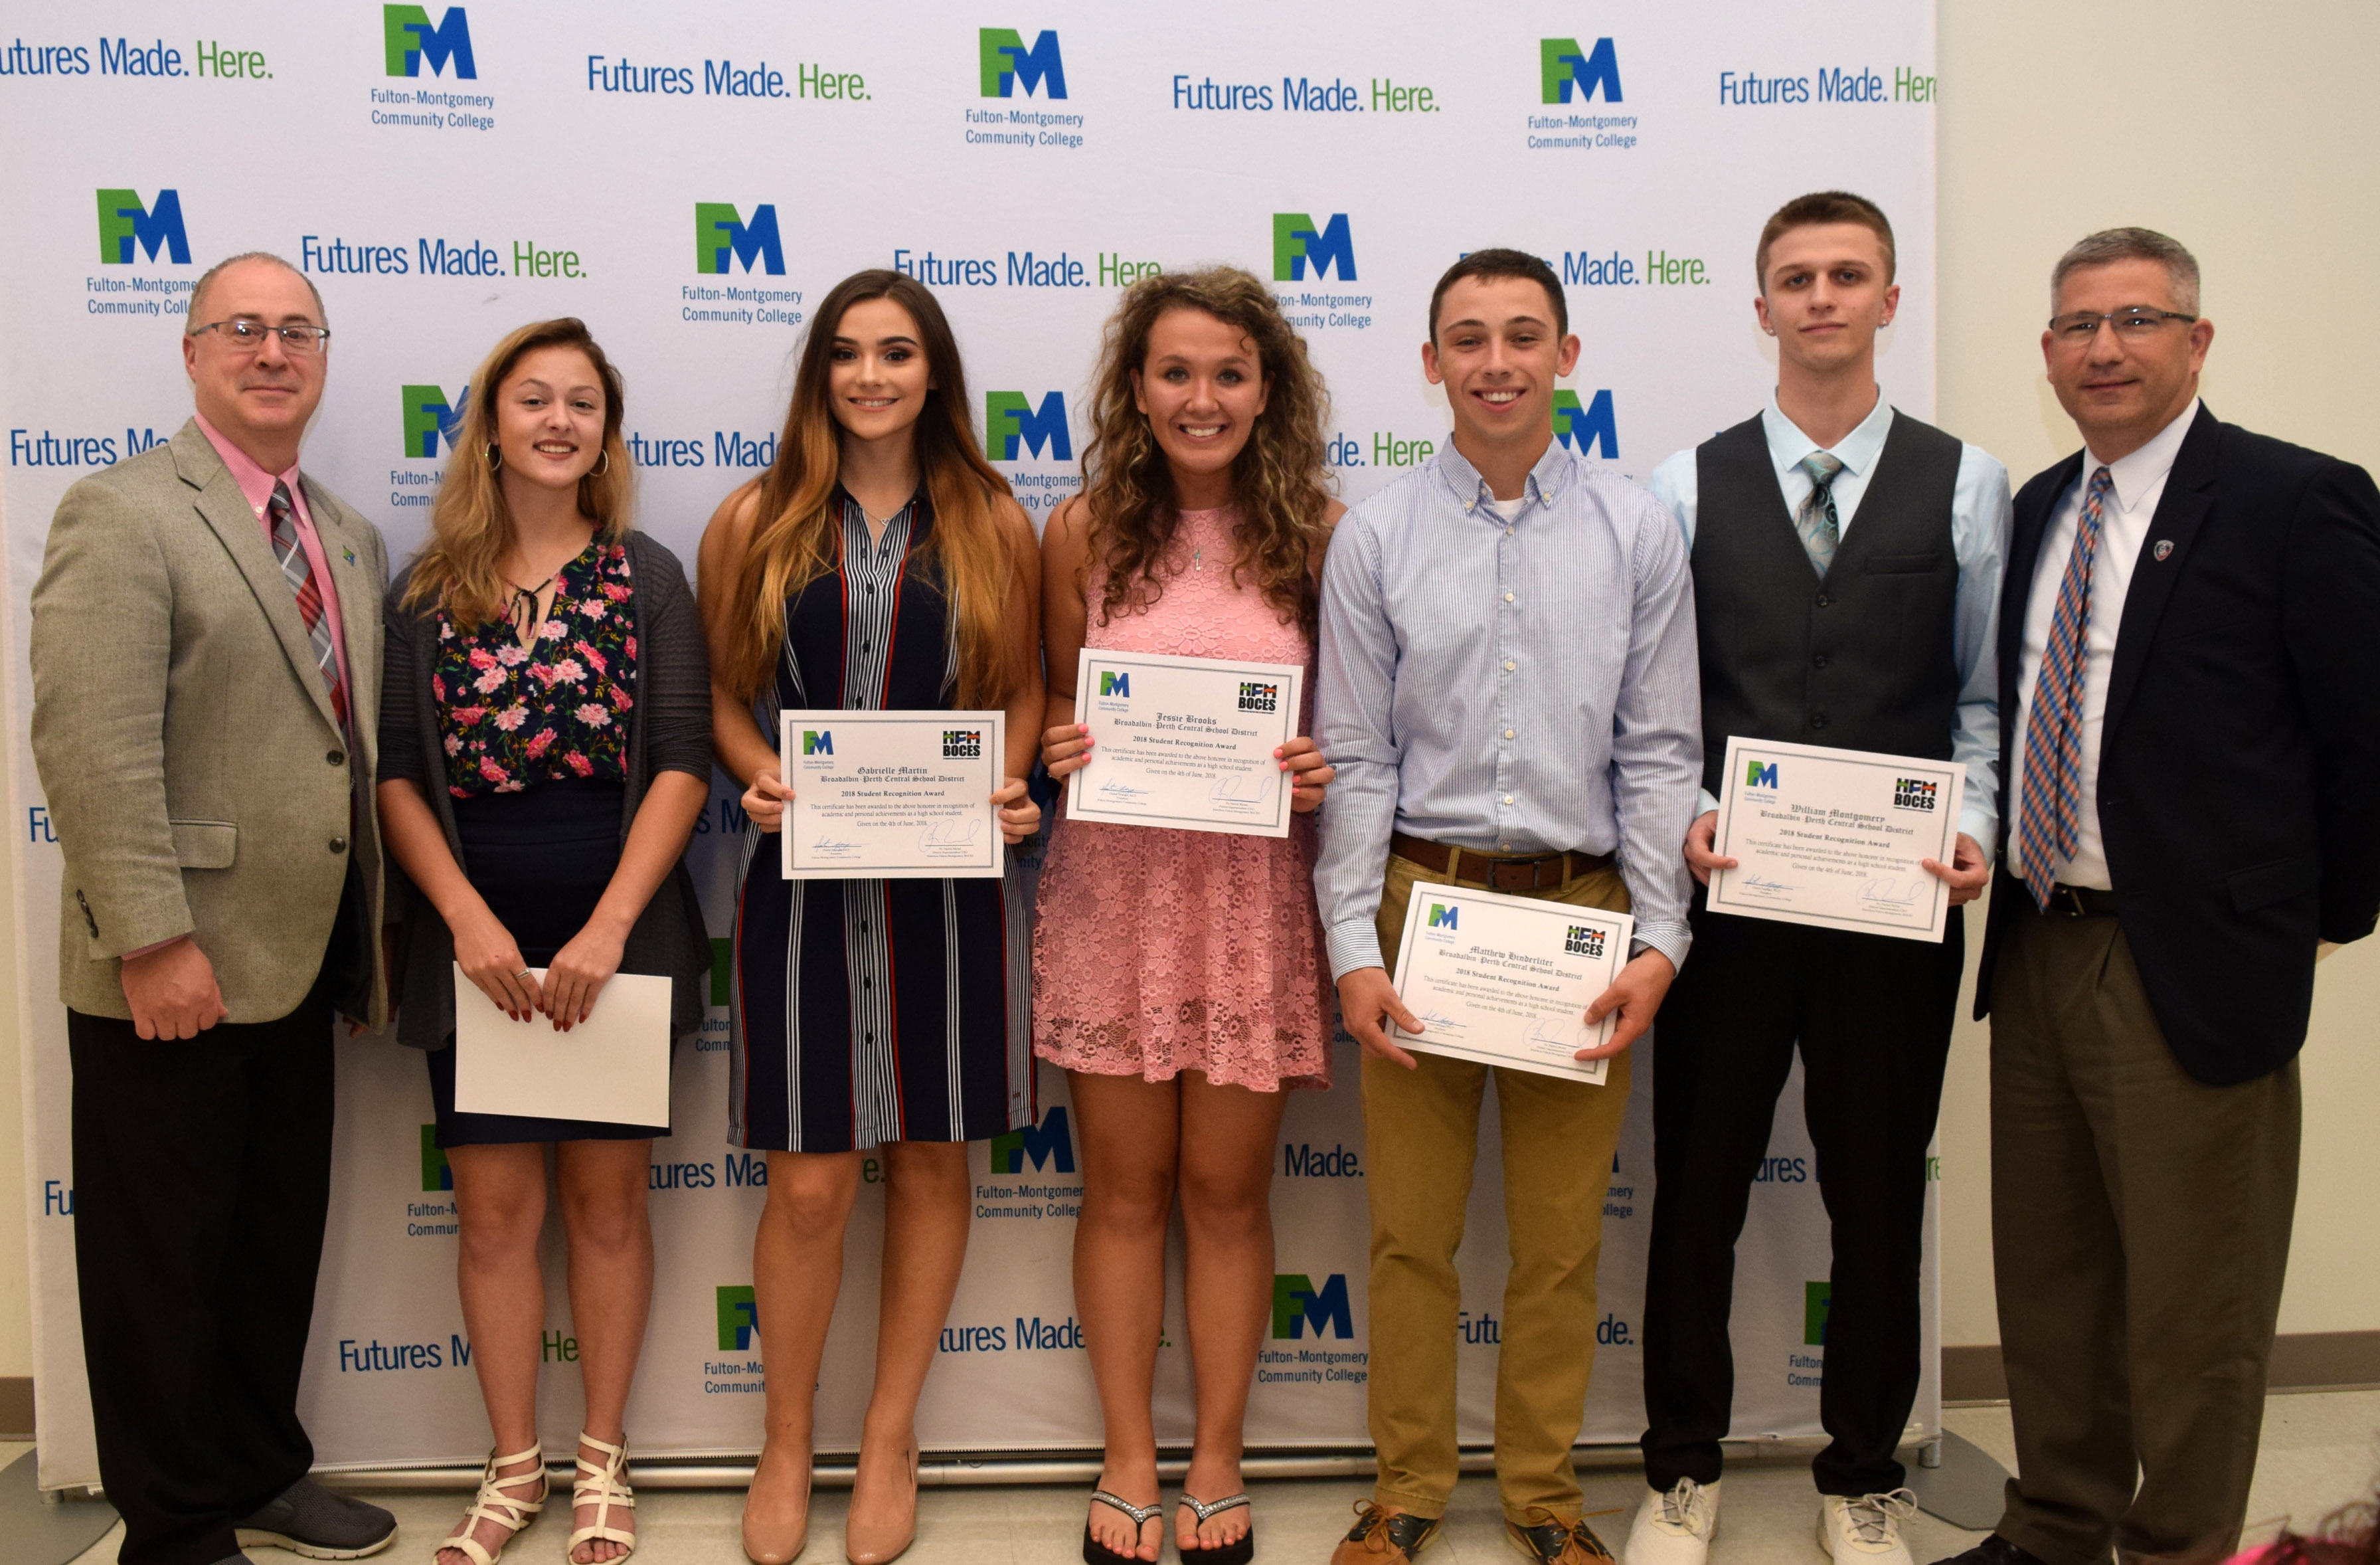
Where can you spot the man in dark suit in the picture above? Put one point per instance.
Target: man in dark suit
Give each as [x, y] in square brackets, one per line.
[2193, 807]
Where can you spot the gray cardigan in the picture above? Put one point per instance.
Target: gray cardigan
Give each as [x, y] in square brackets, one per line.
[669, 731]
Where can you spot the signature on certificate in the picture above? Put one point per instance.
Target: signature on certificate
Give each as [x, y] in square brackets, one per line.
[1762, 886]
[1439, 1021]
[1118, 792]
[1559, 1032]
[961, 832]
[1889, 893]
[833, 848]
[1251, 786]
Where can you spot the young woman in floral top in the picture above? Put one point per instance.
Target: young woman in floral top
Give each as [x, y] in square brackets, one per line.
[545, 752]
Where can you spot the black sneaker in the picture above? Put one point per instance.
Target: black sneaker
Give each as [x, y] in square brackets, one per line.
[1993, 1551]
[310, 1519]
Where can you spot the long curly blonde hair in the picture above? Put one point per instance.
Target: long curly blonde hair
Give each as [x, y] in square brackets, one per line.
[1278, 480]
[461, 567]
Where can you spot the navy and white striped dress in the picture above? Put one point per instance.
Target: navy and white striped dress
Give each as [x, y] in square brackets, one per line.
[875, 1011]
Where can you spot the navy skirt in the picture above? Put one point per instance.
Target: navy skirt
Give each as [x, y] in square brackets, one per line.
[541, 858]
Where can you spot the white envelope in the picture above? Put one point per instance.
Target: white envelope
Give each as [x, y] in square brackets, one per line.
[614, 1067]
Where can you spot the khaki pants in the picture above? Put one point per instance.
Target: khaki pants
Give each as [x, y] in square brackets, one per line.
[1421, 1128]
[2140, 1232]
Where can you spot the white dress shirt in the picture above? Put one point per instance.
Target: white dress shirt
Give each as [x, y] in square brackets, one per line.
[2124, 517]
[1980, 513]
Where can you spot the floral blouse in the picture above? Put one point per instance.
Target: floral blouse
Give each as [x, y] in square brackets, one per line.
[556, 710]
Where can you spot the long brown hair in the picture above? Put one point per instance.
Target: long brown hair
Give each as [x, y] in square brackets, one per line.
[1277, 479]
[461, 567]
[797, 537]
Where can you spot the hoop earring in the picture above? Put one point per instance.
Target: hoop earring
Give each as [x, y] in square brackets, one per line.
[605, 466]
[495, 459]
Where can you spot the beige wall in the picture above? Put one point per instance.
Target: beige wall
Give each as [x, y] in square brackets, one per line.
[2245, 132]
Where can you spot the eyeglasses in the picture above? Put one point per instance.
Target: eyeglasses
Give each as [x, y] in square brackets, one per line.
[248, 336]
[2135, 323]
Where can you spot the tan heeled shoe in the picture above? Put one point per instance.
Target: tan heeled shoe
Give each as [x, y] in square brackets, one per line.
[881, 1546]
[777, 1543]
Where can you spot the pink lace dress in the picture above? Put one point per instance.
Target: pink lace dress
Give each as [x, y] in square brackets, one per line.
[1136, 968]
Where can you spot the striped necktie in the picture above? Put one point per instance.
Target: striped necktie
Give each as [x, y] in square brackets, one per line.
[299, 573]
[1821, 530]
[2049, 817]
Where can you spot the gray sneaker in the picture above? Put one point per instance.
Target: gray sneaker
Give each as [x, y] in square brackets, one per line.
[312, 1521]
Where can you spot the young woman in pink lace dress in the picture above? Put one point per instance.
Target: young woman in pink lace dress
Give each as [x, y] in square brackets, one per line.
[1202, 522]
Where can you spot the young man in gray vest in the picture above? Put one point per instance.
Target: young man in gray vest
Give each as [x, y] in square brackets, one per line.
[1847, 566]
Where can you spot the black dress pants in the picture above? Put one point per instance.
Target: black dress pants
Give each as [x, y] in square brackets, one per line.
[1871, 1016]
[203, 1178]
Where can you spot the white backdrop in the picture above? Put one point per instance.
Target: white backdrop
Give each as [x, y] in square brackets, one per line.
[690, 178]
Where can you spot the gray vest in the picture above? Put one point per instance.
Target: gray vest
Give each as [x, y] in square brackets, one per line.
[1860, 660]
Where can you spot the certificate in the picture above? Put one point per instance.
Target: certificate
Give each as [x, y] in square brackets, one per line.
[892, 795]
[1507, 980]
[1186, 742]
[612, 1067]
[1832, 837]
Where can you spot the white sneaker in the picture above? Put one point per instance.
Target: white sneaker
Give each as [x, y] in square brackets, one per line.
[1866, 1530]
[1676, 1527]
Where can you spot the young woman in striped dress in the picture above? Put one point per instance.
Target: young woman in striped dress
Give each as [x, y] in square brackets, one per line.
[879, 565]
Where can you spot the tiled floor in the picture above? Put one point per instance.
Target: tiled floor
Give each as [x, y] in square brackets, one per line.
[2319, 1449]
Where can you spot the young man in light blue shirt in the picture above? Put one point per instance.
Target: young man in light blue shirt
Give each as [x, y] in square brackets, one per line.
[1506, 684]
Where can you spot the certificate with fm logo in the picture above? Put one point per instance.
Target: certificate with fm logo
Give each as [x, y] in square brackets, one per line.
[892, 794]
[1507, 980]
[1834, 837]
[1186, 742]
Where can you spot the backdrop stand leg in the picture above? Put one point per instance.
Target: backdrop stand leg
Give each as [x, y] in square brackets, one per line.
[37, 1528]
[1961, 1483]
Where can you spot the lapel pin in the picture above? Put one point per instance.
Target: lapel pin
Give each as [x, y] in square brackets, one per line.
[2164, 548]
[351, 554]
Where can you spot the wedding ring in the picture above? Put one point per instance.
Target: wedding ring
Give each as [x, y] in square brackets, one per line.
[522, 973]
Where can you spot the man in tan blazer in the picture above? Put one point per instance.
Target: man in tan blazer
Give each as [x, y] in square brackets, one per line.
[206, 653]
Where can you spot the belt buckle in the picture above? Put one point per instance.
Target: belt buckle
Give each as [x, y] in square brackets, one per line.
[2068, 900]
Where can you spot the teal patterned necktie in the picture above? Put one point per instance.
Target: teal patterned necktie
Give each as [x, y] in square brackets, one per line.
[1821, 530]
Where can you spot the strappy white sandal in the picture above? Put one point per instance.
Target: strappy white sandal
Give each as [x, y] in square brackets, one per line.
[603, 1487]
[511, 1512]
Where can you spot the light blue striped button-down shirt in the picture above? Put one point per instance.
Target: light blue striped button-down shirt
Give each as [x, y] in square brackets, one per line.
[1517, 677]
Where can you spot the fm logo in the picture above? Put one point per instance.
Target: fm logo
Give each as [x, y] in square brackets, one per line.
[1562, 65]
[409, 39]
[1049, 1145]
[720, 233]
[1005, 63]
[1441, 916]
[1297, 244]
[1757, 775]
[1011, 424]
[1584, 428]
[1113, 683]
[428, 415]
[1817, 1300]
[739, 1319]
[436, 1174]
[1297, 1304]
[124, 223]
[818, 741]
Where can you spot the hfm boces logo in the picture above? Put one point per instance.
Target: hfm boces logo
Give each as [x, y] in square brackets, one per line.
[1297, 1304]
[1014, 428]
[1048, 1146]
[1300, 245]
[429, 415]
[1563, 68]
[1914, 794]
[411, 40]
[723, 236]
[128, 229]
[1006, 64]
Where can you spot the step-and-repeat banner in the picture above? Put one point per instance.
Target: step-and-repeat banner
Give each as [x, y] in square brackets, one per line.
[691, 178]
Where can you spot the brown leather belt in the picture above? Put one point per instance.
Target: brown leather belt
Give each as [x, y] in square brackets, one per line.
[1534, 872]
[2079, 902]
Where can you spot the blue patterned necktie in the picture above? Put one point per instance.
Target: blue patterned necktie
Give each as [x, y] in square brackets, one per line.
[1815, 521]
[2049, 815]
